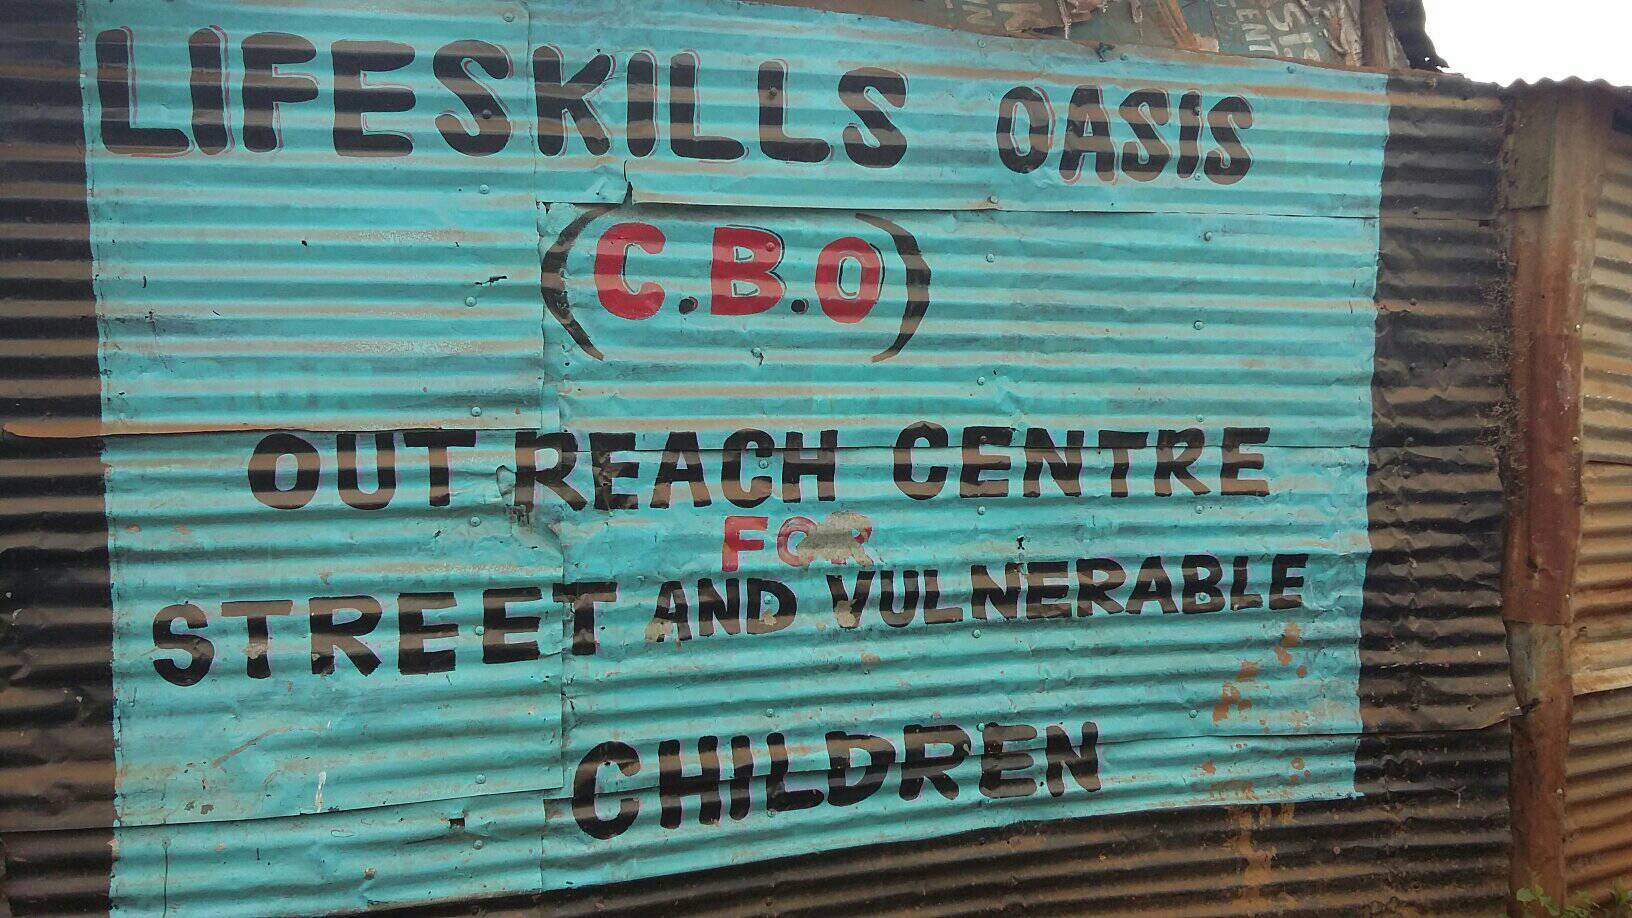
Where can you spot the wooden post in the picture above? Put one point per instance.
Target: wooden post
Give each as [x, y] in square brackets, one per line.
[1554, 164]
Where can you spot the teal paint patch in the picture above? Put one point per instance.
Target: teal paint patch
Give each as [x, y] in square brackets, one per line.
[1242, 312]
[340, 861]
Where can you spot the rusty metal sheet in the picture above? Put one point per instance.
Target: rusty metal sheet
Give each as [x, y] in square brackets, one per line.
[1606, 329]
[1601, 599]
[1598, 792]
[357, 654]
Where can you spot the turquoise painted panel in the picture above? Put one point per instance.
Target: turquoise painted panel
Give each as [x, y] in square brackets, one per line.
[1097, 451]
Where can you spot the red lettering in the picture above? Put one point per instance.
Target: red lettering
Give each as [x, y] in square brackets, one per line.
[800, 524]
[836, 303]
[735, 543]
[610, 255]
[757, 271]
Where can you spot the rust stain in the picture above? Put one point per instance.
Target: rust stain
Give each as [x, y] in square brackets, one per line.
[1290, 638]
[1229, 696]
[1208, 768]
[1235, 788]
[1249, 671]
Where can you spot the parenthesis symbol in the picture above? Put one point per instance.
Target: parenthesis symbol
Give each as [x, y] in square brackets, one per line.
[906, 245]
[553, 282]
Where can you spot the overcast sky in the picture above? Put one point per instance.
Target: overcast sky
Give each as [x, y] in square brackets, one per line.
[1501, 41]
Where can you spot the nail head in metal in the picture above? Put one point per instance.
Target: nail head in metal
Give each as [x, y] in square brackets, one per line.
[476, 411]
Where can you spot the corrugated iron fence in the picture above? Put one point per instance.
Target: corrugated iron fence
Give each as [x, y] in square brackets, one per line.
[744, 459]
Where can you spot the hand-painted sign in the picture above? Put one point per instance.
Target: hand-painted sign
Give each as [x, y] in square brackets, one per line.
[713, 434]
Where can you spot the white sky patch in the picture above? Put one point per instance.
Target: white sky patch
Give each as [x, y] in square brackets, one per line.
[1501, 41]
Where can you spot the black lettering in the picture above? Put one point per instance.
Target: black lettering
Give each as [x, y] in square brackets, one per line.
[1151, 585]
[1064, 466]
[1189, 133]
[207, 52]
[1096, 578]
[778, 798]
[1045, 598]
[886, 598]
[681, 463]
[329, 635]
[1081, 761]
[1119, 442]
[607, 470]
[498, 625]
[1285, 575]
[975, 462]
[116, 90]
[713, 608]
[529, 476]
[996, 761]
[759, 622]
[581, 599]
[917, 766]
[354, 98]
[1239, 597]
[774, 139]
[935, 437]
[1170, 464]
[263, 471]
[1088, 130]
[451, 64]
[841, 750]
[412, 633]
[742, 776]
[1200, 592]
[889, 145]
[798, 463]
[684, 136]
[1237, 460]
[847, 606]
[264, 88]
[674, 785]
[673, 612]
[258, 646]
[436, 444]
[1039, 129]
[640, 129]
[557, 100]
[385, 471]
[934, 612]
[759, 487]
[200, 651]
[984, 591]
[1231, 161]
[1144, 160]
[584, 791]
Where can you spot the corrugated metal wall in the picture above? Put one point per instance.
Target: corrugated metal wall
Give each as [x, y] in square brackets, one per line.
[1599, 788]
[164, 320]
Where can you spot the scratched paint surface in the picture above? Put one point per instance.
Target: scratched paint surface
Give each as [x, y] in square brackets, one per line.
[304, 293]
